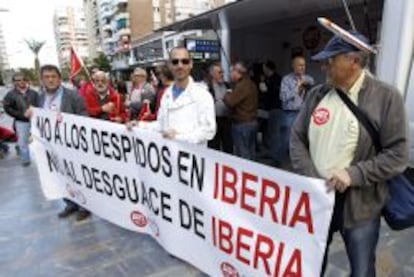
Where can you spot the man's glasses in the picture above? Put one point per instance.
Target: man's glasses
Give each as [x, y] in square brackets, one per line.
[182, 61]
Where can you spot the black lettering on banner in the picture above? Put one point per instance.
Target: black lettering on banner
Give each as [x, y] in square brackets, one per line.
[116, 152]
[140, 152]
[144, 195]
[70, 171]
[87, 177]
[196, 171]
[134, 198]
[105, 144]
[84, 142]
[58, 138]
[96, 179]
[67, 136]
[154, 165]
[45, 129]
[190, 218]
[75, 138]
[107, 183]
[121, 192]
[166, 166]
[165, 206]
[53, 162]
[181, 167]
[126, 146]
[152, 193]
[96, 142]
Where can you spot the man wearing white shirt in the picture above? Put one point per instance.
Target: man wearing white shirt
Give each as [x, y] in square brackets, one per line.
[187, 109]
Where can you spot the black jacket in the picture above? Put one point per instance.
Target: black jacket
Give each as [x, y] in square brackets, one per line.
[16, 103]
[272, 98]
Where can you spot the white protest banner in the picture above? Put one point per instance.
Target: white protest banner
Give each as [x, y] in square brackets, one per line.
[225, 215]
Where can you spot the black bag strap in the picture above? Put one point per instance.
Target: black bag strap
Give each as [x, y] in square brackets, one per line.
[363, 119]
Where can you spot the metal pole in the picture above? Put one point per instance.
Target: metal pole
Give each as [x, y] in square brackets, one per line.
[225, 44]
[348, 13]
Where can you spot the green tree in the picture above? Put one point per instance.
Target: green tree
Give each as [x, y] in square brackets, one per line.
[35, 46]
[102, 62]
[29, 73]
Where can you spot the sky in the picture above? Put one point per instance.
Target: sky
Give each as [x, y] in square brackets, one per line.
[30, 19]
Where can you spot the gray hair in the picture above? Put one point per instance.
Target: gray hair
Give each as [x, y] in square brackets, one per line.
[100, 73]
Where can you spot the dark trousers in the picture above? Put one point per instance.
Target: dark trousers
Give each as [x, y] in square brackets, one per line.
[244, 139]
[360, 242]
[222, 141]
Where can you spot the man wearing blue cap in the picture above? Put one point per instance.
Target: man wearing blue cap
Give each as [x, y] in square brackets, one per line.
[329, 142]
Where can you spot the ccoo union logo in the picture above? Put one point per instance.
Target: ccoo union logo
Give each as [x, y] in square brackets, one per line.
[139, 219]
[321, 116]
[228, 270]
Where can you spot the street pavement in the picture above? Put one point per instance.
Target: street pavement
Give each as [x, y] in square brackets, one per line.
[35, 242]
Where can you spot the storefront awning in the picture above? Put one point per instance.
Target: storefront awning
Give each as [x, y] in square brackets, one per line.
[254, 12]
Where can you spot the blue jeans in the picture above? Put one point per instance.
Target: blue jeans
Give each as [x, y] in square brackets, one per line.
[23, 133]
[244, 139]
[360, 243]
[273, 133]
[287, 120]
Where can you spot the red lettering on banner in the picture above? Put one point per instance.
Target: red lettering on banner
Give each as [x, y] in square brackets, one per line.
[258, 250]
[216, 181]
[294, 267]
[263, 254]
[225, 237]
[306, 218]
[246, 191]
[241, 245]
[269, 200]
[261, 196]
[229, 185]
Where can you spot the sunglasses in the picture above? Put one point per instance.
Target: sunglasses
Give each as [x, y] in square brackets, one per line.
[182, 61]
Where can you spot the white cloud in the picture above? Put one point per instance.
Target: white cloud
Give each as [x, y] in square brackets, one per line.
[30, 19]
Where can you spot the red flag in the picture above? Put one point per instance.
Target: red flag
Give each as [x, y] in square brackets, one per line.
[75, 64]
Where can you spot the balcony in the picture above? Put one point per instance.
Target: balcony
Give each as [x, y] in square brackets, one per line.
[122, 15]
[122, 32]
[106, 13]
[119, 6]
[107, 27]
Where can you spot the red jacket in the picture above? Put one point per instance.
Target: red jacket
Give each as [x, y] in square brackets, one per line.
[95, 109]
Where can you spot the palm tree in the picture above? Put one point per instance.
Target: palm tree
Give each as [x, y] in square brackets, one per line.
[35, 47]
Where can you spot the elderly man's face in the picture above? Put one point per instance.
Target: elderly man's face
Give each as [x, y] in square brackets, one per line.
[339, 68]
[299, 66]
[101, 83]
[217, 74]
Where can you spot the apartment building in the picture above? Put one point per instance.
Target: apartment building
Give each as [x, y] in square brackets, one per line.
[69, 25]
[93, 27]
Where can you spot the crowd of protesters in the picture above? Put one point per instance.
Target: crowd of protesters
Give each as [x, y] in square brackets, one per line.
[307, 121]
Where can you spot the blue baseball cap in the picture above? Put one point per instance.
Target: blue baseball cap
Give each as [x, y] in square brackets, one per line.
[336, 45]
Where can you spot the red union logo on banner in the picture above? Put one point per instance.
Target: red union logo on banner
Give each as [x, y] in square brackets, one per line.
[139, 219]
[228, 270]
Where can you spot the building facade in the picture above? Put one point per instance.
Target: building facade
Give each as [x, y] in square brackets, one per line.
[4, 61]
[93, 28]
[69, 25]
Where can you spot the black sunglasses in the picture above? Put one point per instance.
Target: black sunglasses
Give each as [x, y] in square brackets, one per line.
[183, 61]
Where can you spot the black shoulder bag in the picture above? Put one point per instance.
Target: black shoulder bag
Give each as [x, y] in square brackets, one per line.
[399, 210]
